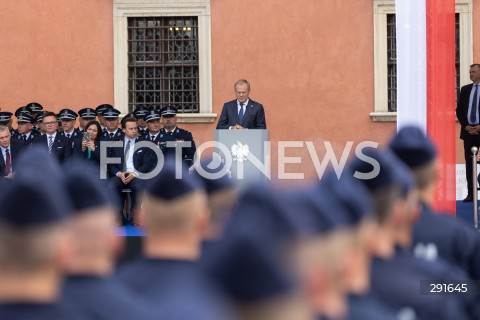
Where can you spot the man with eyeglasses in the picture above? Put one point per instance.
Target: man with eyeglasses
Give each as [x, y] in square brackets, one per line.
[58, 146]
[10, 150]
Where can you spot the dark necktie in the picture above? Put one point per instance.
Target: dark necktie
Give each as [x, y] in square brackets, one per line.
[127, 148]
[153, 138]
[240, 112]
[7, 162]
[68, 135]
[474, 110]
[169, 133]
[24, 137]
[111, 135]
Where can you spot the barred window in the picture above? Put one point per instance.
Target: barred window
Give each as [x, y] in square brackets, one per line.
[163, 63]
[392, 60]
[392, 63]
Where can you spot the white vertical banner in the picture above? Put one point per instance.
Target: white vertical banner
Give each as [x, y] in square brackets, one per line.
[411, 63]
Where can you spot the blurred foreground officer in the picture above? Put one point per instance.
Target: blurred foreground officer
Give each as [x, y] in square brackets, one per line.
[222, 194]
[58, 146]
[94, 248]
[253, 262]
[11, 150]
[168, 277]
[396, 280]
[435, 235]
[33, 243]
[170, 133]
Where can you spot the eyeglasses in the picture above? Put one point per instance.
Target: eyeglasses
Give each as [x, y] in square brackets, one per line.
[50, 123]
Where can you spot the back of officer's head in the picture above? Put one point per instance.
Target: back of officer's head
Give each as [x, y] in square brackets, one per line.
[384, 175]
[92, 223]
[174, 200]
[418, 152]
[34, 207]
[221, 191]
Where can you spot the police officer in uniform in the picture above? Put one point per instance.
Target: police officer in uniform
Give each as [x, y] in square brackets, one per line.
[140, 113]
[68, 118]
[35, 108]
[154, 126]
[113, 132]
[99, 110]
[6, 120]
[25, 132]
[171, 134]
[86, 115]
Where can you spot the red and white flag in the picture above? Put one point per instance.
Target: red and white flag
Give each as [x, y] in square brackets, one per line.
[426, 81]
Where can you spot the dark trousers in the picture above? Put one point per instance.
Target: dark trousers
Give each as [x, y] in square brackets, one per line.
[136, 186]
[468, 143]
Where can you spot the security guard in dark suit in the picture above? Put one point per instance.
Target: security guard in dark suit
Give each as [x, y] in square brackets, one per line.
[25, 132]
[435, 235]
[113, 132]
[171, 135]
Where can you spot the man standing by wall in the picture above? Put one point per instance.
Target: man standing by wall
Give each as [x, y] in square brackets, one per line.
[468, 116]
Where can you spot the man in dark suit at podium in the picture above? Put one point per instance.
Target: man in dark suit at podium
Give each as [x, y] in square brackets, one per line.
[242, 113]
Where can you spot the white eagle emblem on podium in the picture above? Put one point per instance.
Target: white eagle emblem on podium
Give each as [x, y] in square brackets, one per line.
[240, 152]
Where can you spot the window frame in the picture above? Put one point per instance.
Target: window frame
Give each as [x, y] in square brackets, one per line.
[124, 9]
[380, 10]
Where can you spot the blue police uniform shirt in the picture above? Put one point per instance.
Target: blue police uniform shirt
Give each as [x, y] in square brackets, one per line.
[368, 307]
[175, 289]
[442, 236]
[104, 298]
[396, 282]
[30, 311]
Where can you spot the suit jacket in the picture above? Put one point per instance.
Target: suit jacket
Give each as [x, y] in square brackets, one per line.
[254, 117]
[61, 148]
[142, 159]
[16, 148]
[462, 109]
